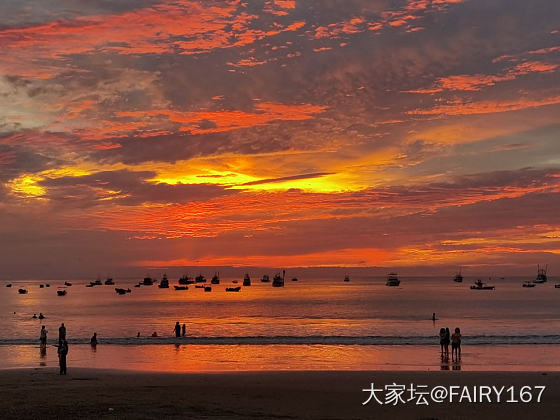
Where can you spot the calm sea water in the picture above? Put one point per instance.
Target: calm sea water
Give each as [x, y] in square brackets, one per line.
[311, 313]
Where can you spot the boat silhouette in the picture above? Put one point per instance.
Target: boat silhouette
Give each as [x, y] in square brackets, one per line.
[480, 285]
[278, 281]
[392, 280]
[246, 280]
[541, 275]
[164, 284]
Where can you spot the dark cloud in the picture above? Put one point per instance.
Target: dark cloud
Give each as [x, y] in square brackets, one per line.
[124, 188]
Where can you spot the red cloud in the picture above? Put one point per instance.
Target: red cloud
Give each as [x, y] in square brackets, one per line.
[486, 107]
[182, 26]
[265, 113]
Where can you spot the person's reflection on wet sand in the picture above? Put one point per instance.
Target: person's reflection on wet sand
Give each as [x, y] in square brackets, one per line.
[444, 363]
[43, 354]
[456, 365]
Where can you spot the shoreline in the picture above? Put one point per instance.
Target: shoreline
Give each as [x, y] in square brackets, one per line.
[103, 393]
[282, 357]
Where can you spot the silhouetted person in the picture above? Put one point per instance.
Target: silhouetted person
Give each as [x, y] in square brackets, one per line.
[34, 316]
[138, 335]
[43, 337]
[93, 341]
[442, 340]
[62, 353]
[177, 329]
[447, 341]
[61, 333]
[456, 344]
[184, 330]
[434, 316]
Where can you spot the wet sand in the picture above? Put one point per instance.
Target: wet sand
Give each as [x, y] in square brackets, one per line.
[94, 394]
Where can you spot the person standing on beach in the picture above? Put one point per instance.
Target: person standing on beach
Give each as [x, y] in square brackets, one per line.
[62, 353]
[177, 329]
[93, 341]
[43, 337]
[61, 333]
[447, 341]
[184, 330]
[456, 344]
[442, 340]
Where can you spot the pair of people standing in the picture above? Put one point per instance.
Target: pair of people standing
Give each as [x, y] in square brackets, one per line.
[445, 338]
[180, 331]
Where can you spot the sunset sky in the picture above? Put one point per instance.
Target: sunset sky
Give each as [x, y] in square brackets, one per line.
[392, 133]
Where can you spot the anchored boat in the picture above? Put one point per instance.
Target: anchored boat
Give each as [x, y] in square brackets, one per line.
[164, 282]
[215, 279]
[392, 280]
[246, 280]
[480, 285]
[458, 277]
[278, 281]
[541, 275]
[186, 280]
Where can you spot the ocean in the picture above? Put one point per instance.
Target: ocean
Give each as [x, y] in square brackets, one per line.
[314, 323]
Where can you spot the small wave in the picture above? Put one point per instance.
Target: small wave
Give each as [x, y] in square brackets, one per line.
[302, 340]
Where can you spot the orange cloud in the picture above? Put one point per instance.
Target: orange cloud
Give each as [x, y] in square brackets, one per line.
[348, 257]
[221, 121]
[475, 82]
[183, 26]
[486, 107]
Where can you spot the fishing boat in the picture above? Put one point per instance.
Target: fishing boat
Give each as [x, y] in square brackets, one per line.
[200, 279]
[47, 285]
[120, 291]
[557, 286]
[148, 281]
[265, 278]
[164, 282]
[541, 275]
[199, 286]
[91, 284]
[392, 280]
[458, 277]
[295, 279]
[109, 281]
[246, 280]
[9, 285]
[215, 279]
[233, 289]
[278, 281]
[480, 285]
[346, 278]
[186, 280]
[22, 291]
[207, 288]
[181, 287]
[66, 283]
[97, 282]
[61, 292]
[41, 286]
[528, 284]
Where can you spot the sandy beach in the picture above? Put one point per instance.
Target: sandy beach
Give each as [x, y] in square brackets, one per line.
[93, 394]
